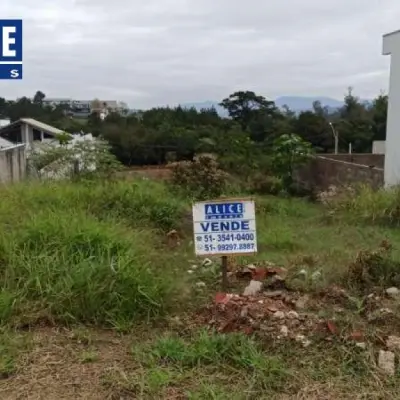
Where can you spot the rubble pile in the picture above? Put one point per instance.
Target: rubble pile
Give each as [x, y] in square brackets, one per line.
[268, 313]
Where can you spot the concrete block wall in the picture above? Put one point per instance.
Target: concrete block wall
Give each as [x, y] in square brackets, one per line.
[13, 164]
[368, 159]
[322, 172]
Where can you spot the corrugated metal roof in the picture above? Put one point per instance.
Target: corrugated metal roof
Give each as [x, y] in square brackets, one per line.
[41, 126]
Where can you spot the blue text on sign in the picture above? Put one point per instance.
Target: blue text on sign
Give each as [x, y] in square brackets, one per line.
[225, 226]
[11, 40]
[223, 210]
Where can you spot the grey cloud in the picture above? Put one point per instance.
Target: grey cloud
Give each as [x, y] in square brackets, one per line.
[169, 51]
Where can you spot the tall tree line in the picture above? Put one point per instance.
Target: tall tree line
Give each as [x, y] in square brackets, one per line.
[164, 134]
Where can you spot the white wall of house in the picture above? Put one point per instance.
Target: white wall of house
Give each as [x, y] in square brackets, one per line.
[391, 46]
[4, 122]
[378, 147]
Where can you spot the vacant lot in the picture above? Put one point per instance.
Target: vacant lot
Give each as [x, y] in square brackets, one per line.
[97, 301]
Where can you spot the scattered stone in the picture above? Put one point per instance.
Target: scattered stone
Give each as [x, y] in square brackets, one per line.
[207, 262]
[284, 331]
[200, 284]
[379, 315]
[302, 274]
[302, 302]
[253, 288]
[251, 266]
[292, 315]
[316, 275]
[279, 315]
[393, 343]
[223, 298]
[194, 267]
[244, 312]
[393, 291]
[276, 293]
[361, 345]
[303, 340]
[332, 327]
[190, 271]
[386, 362]
[357, 336]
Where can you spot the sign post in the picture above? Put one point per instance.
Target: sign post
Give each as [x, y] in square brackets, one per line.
[224, 227]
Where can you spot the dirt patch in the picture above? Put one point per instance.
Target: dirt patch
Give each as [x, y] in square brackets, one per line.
[67, 365]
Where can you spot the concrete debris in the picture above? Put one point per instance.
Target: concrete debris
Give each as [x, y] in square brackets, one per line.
[302, 302]
[262, 273]
[292, 315]
[173, 238]
[316, 275]
[303, 340]
[276, 293]
[393, 292]
[207, 262]
[259, 313]
[253, 288]
[279, 315]
[284, 331]
[393, 343]
[302, 274]
[386, 362]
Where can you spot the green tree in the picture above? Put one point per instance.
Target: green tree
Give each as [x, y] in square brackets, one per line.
[354, 124]
[288, 152]
[246, 108]
[379, 117]
[314, 128]
[38, 97]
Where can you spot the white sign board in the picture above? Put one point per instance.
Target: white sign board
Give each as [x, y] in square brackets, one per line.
[224, 227]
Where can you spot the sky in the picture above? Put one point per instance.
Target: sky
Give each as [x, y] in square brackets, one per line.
[157, 52]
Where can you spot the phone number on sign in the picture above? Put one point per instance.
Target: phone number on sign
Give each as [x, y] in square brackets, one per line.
[229, 237]
[229, 247]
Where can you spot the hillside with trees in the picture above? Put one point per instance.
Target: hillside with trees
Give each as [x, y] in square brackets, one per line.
[163, 134]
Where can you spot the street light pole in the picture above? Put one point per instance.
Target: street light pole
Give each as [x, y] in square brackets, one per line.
[336, 137]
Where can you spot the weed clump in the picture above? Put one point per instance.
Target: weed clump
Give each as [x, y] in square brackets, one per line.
[374, 268]
[365, 204]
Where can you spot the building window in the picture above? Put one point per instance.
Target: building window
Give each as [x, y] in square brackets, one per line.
[37, 135]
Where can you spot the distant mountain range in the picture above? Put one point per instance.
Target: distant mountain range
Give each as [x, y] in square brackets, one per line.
[295, 103]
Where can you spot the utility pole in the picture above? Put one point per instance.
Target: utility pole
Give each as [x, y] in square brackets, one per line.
[336, 137]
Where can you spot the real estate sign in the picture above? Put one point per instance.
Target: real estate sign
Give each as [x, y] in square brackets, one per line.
[223, 227]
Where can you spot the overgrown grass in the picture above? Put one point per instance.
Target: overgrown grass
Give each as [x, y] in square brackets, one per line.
[207, 364]
[365, 204]
[85, 252]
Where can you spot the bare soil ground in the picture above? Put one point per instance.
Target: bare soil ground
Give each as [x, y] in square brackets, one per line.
[64, 364]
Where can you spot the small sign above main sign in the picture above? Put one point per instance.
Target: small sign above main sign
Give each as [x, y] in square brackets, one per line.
[223, 210]
[224, 227]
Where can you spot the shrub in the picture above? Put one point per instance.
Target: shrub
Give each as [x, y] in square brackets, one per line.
[201, 178]
[265, 184]
[374, 268]
[86, 159]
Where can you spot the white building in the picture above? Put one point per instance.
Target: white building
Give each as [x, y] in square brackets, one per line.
[378, 146]
[391, 46]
